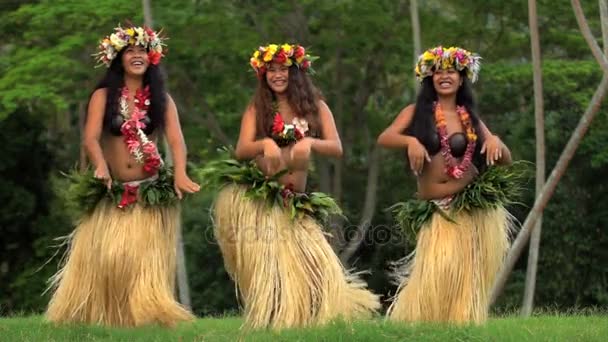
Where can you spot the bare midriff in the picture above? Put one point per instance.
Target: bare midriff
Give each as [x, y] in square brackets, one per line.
[434, 183]
[122, 165]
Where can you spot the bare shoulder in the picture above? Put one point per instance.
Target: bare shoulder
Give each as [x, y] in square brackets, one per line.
[249, 110]
[408, 110]
[99, 95]
[170, 99]
[323, 108]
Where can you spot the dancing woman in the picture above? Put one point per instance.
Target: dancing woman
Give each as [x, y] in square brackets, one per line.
[120, 266]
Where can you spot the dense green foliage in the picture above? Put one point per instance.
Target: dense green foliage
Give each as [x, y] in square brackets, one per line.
[365, 72]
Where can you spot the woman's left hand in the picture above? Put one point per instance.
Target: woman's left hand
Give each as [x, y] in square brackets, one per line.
[492, 147]
[300, 152]
[183, 183]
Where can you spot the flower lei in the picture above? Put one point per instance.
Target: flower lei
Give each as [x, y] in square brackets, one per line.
[140, 147]
[111, 45]
[452, 57]
[286, 134]
[453, 168]
[286, 54]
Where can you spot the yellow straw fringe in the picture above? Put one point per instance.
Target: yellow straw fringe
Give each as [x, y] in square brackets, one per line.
[285, 271]
[450, 276]
[120, 269]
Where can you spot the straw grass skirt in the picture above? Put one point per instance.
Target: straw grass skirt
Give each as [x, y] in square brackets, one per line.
[120, 269]
[285, 271]
[451, 273]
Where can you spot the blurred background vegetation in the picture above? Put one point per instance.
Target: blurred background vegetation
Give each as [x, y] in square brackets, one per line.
[365, 72]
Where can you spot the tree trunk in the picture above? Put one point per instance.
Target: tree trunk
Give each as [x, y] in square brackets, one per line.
[416, 36]
[369, 205]
[564, 159]
[182, 275]
[604, 20]
[540, 158]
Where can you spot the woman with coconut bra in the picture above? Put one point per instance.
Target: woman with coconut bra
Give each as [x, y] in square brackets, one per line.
[461, 245]
[121, 260]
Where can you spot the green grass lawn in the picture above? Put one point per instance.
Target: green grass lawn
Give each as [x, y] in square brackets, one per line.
[538, 328]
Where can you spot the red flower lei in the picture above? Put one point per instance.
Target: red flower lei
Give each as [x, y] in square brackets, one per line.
[453, 168]
[284, 134]
[144, 150]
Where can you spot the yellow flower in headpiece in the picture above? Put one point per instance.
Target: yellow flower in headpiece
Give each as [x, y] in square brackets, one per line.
[130, 31]
[446, 63]
[272, 48]
[428, 56]
[285, 54]
[268, 56]
[287, 49]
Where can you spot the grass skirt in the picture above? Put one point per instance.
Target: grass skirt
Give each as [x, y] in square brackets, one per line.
[450, 276]
[120, 268]
[284, 269]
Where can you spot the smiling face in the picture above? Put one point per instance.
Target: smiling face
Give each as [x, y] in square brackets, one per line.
[277, 77]
[135, 60]
[446, 81]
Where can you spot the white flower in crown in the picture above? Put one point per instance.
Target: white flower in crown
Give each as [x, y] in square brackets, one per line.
[141, 38]
[301, 124]
[117, 42]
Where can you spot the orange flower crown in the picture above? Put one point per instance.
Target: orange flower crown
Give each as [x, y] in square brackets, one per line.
[286, 54]
[111, 45]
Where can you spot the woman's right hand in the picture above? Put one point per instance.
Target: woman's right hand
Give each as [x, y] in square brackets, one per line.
[102, 173]
[272, 155]
[417, 155]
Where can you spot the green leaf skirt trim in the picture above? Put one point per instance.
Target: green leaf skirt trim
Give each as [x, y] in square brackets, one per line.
[497, 186]
[83, 192]
[217, 173]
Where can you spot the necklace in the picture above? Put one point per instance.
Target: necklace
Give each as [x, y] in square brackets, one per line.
[141, 148]
[453, 168]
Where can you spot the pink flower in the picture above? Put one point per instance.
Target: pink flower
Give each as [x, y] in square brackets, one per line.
[152, 164]
[149, 148]
[457, 172]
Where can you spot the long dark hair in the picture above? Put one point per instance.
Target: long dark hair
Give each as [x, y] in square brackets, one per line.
[113, 81]
[302, 96]
[423, 123]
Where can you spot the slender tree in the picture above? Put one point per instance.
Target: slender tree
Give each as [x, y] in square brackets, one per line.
[539, 117]
[564, 159]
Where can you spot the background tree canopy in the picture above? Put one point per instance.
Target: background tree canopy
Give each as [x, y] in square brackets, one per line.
[365, 72]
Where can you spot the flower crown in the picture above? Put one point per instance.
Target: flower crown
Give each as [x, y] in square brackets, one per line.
[286, 54]
[111, 45]
[452, 57]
